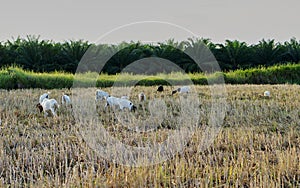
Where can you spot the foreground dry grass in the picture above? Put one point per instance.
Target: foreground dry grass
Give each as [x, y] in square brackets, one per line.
[258, 146]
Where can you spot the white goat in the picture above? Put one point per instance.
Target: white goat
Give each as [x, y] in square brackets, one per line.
[112, 101]
[44, 96]
[142, 96]
[65, 99]
[122, 103]
[100, 95]
[49, 106]
[181, 90]
[267, 94]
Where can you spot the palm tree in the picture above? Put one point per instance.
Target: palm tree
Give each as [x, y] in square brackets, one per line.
[199, 50]
[268, 52]
[71, 54]
[29, 53]
[2, 54]
[179, 45]
[10, 54]
[175, 55]
[233, 55]
[292, 53]
[124, 54]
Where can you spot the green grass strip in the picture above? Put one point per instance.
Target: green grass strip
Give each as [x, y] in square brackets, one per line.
[15, 77]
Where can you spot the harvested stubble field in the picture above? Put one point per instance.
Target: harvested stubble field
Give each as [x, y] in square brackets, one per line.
[258, 145]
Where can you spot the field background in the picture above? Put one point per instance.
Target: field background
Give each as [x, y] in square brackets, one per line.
[258, 145]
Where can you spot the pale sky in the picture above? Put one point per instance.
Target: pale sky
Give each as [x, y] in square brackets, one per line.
[61, 20]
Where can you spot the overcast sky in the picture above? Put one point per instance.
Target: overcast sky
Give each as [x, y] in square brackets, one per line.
[60, 20]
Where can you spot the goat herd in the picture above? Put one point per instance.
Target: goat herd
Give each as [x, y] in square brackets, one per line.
[50, 106]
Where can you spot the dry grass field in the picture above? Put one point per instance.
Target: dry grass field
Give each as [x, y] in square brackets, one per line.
[257, 146]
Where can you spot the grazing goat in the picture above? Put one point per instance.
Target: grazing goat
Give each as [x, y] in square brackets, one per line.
[160, 88]
[112, 101]
[65, 99]
[100, 95]
[122, 103]
[181, 90]
[49, 106]
[142, 97]
[267, 94]
[44, 96]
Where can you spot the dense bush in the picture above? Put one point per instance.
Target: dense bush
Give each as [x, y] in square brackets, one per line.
[279, 74]
[47, 56]
[17, 78]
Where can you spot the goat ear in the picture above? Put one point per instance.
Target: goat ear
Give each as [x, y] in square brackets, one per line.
[40, 107]
[134, 108]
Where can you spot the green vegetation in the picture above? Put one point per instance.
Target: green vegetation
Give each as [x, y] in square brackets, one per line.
[38, 55]
[15, 77]
[272, 75]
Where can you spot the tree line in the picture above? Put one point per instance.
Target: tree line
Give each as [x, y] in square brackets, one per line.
[38, 55]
